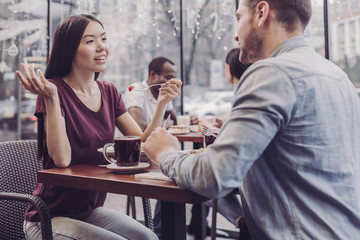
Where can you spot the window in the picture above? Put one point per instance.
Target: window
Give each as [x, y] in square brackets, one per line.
[344, 40]
[353, 4]
[23, 38]
[155, 30]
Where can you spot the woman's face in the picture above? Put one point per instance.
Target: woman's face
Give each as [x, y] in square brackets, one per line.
[92, 52]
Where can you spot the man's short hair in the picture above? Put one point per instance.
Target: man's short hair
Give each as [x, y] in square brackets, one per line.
[288, 11]
[157, 63]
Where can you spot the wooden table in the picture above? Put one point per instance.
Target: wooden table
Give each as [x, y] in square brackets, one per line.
[195, 137]
[93, 177]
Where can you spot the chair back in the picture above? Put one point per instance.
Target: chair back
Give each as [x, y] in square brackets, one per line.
[18, 168]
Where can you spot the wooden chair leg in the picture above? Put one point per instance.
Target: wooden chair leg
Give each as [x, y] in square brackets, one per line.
[213, 220]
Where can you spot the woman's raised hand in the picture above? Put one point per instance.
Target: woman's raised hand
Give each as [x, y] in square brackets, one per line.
[36, 84]
[170, 90]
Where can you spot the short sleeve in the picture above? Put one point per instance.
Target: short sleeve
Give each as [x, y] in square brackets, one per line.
[134, 99]
[40, 107]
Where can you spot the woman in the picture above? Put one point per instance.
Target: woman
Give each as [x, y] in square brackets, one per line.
[234, 69]
[77, 115]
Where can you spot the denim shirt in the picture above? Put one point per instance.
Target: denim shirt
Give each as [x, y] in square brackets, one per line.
[291, 145]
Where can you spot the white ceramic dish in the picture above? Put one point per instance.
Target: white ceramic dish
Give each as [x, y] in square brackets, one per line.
[128, 169]
[176, 131]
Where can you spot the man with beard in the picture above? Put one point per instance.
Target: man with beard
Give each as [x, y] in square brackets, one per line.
[292, 142]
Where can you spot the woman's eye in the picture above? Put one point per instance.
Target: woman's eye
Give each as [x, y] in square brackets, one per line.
[104, 39]
[90, 41]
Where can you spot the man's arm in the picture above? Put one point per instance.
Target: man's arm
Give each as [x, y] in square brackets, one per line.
[257, 115]
[137, 114]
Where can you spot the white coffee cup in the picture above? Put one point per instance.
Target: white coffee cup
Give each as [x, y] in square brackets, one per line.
[183, 120]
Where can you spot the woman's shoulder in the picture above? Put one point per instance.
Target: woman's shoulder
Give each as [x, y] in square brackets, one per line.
[55, 80]
[108, 88]
[106, 85]
[59, 82]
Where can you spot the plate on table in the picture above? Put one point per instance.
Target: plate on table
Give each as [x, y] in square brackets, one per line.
[195, 128]
[128, 169]
[176, 131]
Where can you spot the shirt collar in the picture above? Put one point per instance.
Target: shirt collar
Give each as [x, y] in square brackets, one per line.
[290, 44]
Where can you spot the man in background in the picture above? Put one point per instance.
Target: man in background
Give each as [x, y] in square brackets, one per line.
[141, 104]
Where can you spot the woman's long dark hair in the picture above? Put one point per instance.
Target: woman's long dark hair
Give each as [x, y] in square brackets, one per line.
[66, 41]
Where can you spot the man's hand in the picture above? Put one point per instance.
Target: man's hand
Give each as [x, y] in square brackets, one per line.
[159, 142]
[169, 91]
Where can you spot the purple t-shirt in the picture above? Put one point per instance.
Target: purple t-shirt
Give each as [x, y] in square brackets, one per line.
[87, 131]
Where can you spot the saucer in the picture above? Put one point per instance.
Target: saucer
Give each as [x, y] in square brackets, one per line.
[128, 169]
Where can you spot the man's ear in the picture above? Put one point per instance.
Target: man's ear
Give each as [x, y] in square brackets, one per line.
[263, 15]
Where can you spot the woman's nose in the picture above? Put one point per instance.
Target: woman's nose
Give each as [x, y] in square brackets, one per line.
[236, 38]
[100, 46]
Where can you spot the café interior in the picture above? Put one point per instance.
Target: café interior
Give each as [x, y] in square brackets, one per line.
[195, 34]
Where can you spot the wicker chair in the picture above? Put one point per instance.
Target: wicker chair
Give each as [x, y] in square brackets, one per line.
[18, 167]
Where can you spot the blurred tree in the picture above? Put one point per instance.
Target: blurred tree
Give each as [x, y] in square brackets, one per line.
[210, 28]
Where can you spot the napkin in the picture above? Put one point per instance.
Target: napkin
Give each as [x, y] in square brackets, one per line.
[153, 175]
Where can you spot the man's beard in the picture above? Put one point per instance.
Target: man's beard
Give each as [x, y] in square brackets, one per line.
[252, 49]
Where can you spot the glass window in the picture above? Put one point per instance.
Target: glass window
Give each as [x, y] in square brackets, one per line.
[23, 38]
[196, 35]
[353, 4]
[344, 38]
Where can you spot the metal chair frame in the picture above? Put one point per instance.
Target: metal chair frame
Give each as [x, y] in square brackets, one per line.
[18, 167]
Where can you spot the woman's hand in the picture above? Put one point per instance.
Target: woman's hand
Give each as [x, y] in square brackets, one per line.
[36, 84]
[169, 91]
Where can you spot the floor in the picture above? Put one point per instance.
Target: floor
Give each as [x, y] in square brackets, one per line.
[118, 202]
